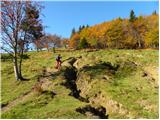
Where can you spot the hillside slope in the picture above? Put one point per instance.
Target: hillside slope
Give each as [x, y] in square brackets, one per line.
[91, 84]
[143, 32]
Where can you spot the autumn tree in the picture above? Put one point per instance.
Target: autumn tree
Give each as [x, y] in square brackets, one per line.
[65, 42]
[50, 41]
[15, 37]
[152, 34]
[152, 38]
[133, 33]
[115, 34]
[83, 43]
[129, 35]
[134, 25]
[33, 24]
[74, 41]
[140, 27]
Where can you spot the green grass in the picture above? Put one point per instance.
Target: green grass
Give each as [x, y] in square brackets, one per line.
[11, 88]
[126, 86]
[44, 107]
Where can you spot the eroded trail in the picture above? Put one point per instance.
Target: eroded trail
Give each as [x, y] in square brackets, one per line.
[71, 75]
[35, 90]
[18, 100]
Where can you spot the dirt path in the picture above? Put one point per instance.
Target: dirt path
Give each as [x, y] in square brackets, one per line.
[18, 100]
[22, 98]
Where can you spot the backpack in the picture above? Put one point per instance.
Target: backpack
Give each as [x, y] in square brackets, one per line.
[58, 58]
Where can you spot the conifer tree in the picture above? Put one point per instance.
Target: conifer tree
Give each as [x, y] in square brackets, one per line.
[132, 16]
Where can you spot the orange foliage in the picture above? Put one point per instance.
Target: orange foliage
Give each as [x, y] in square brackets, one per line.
[73, 43]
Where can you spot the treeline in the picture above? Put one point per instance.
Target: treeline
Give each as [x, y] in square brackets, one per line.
[50, 42]
[133, 33]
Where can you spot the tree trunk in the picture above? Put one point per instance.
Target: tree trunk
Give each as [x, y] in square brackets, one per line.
[139, 43]
[20, 66]
[16, 68]
[15, 60]
[54, 50]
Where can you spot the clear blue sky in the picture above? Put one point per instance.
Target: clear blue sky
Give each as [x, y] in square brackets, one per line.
[61, 17]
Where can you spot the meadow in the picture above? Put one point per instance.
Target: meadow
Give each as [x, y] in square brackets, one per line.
[123, 82]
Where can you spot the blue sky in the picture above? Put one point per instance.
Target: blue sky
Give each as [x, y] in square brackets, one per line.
[60, 17]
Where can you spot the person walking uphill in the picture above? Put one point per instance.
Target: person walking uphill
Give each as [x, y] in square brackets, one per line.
[59, 62]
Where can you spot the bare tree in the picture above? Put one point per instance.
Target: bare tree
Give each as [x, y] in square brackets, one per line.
[51, 42]
[65, 42]
[15, 38]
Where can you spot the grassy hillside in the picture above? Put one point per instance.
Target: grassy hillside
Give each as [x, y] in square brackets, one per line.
[115, 83]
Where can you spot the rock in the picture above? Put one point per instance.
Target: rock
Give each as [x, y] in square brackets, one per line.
[105, 77]
[145, 74]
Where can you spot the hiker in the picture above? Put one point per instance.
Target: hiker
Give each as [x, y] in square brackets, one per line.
[58, 59]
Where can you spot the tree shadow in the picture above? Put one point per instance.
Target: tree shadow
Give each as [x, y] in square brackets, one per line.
[25, 79]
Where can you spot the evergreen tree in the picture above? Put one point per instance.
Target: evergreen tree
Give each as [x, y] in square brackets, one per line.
[132, 16]
[154, 13]
[80, 28]
[120, 18]
[73, 32]
[83, 27]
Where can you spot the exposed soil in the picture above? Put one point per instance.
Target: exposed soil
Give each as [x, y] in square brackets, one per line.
[99, 112]
[70, 74]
